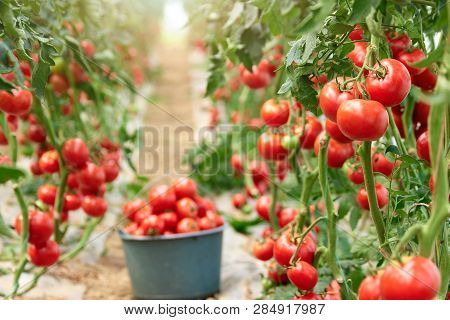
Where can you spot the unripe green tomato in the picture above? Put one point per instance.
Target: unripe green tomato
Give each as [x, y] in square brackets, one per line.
[267, 284]
[247, 209]
[289, 142]
[59, 66]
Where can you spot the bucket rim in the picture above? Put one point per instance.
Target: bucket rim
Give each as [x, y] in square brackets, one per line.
[176, 236]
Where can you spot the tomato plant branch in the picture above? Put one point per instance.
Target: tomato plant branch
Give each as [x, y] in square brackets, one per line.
[413, 231]
[272, 213]
[394, 129]
[299, 240]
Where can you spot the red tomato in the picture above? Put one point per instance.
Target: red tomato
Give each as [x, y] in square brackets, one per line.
[321, 79]
[263, 205]
[162, 198]
[391, 86]
[358, 54]
[284, 249]
[399, 123]
[277, 273]
[410, 57]
[259, 171]
[187, 208]
[221, 94]
[185, 188]
[382, 197]
[204, 205]
[72, 181]
[152, 225]
[47, 194]
[333, 291]
[263, 249]
[111, 169]
[142, 214]
[86, 190]
[423, 147]
[267, 67]
[132, 207]
[357, 33]
[216, 217]
[49, 162]
[308, 296]
[267, 232]
[381, 164]
[35, 169]
[287, 215]
[331, 97]
[282, 168]
[415, 278]
[421, 112]
[79, 74]
[91, 176]
[187, 225]
[45, 255]
[275, 114]
[170, 220]
[236, 164]
[369, 289]
[364, 120]
[88, 48]
[206, 223]
[356, 175]
[312, 129]
[335, 133]
[75, 152]
[303, 275]
[425, 80]
[130, 228]
[40, 226]
[270, 147]
[94, 206]
[18, 103]
[36, 133]
[337, 154]
[59, 83]
[239, 200]
[398, 43]
[71, 202]
[256, 79]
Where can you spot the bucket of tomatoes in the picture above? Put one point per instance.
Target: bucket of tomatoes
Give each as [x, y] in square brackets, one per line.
[173, 243]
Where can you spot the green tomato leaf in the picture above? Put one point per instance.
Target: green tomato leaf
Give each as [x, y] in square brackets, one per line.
[434, 56]
[361, 9]
[10, 174]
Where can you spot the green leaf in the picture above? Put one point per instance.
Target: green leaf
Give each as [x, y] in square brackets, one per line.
[355, 215]
[9, 173]
[234, 15]
[216, 74]
[285, 87]
[305, 93]
[434, 56]
[361, 9]
[6, 85]
[39, 78]
[392, 149]
[272, 18]
[4, 229]
[316, 18]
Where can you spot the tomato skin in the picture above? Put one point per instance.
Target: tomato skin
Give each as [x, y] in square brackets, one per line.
[111, 169]
[421, 112]
[275, 114]
[423, 147]
[382, 197]
[303, 275]
[381, 164]
[49, 162]
[75, 152]
[152, 225]
[170, 220]
[284, 249]
[36, 169]
[363, 120]
[425, 80]
[333, 291]
[410, 57]
[369, 289]
[399, 122]
[358, 54]
[356, 175]
[59, 83]
[277, 273]
[263, 249]
[187, 208]
[185, 188]
[71, 202]
[391, 89]
[267, 67]
[398, 43]
[88, 48]
[47, 193]
[331, 97]
[162, 198]
[44, 256]
[337, 154]
[206, 223]
[187, 225]
[287, 215]
[18, 103]
[72, 181]
[91, 176]
[415, 278]
[263, 205]
[313, 128]
[130, 228]
[36, 133]
[236, 164]
[256, 79]
[239, 200]
[40, 226]
[132, 207]
[357, 33]
[259, 171]
[270, 147]
[335, 133]
[94, 206]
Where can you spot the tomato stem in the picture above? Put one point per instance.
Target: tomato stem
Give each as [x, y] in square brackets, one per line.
[272, 214]
[409, 234]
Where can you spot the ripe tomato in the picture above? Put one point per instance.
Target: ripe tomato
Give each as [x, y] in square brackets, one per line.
[369, 289]
[49, 162]
[79, 74]
[423, 147]
[270, 147]
[187, 225]
[162, 198]
[71, 202]
[267, 67]
[259, 171]
[381, 164]
[36, 133]
[35, 168]
[45, 255]
[263, 249]
[331, 97]
[256, 79]
[111, 169]
[263, 205]
[88, 48]
[204, 205]
[321, 79]
[410, 57]
[59, 83]
[303, 275]
[206, 223]
[355, 174]
[277, 273]
[216, 217]
[425, 80]
[282, 168]
[94, 206]
[40, 226]
[130, 228]
[187, 208]
[399, 122]
[414, 278]
[141, 214]
[335, 133]
[364, 120]
[397, 42]
[91, 176]
[308, 296]
[18, 103]
[357, 33]
[390, 84]
[185, 188]
[75, 152]
[239, 200]
[421, 112]
[236, 164]
[337, 154]
[333, 291]
[287, 215]
[358, 54]
[152, 225]
[382, 197]
[284, 249]
[72, 181]
[275, 114]
[47, 194]
[313, 128]
[170, 220]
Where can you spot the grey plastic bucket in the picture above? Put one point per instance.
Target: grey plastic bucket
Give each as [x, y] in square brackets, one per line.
[179, 266]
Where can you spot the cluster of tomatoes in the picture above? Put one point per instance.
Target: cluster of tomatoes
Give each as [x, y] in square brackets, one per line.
[177, 208]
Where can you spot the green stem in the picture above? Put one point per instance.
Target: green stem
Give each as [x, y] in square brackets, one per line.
[272, 214]
[308, 183]
[443, 266]
[366, 161]
[397, 136]
[302, 237]
[409, 234]
[83, 241]
[59, 202]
